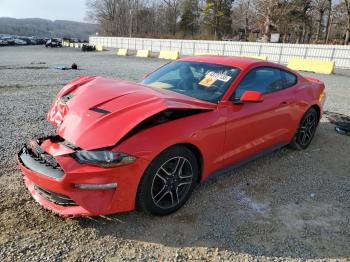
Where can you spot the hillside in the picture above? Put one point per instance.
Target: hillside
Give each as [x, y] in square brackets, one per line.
[46, 28]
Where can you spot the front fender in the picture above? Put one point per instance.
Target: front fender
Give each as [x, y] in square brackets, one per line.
[206, 131]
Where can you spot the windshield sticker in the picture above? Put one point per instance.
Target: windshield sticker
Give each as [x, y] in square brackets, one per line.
[207, 81]
[220, 76]
[211, 77]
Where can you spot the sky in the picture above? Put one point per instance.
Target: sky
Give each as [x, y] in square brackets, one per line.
[74, 10]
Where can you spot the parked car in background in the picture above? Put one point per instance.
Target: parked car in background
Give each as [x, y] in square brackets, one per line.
[88, 48]
[19, 42]
[40, 41]
[10, 42]
[7, 40]
[3, 43]
[54, 42]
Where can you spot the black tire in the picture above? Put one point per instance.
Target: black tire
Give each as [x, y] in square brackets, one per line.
[168, 181]
[306, 130]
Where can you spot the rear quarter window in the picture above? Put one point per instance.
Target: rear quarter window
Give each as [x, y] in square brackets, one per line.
[289, 79]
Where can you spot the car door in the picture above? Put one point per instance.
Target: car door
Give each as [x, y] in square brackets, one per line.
[253, 128]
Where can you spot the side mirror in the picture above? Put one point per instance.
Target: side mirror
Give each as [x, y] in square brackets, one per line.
[251, 97]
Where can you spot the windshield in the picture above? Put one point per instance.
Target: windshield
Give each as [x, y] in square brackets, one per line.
[203, 81]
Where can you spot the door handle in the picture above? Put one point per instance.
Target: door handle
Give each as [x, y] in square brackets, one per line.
[284, 103]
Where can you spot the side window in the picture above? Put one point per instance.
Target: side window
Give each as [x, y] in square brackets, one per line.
[288, 79]
[262, 79]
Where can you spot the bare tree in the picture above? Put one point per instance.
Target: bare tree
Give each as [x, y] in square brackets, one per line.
[347, 33]
[216, 19]
[271, 12]
[329, 14]
[242, 16]
[104, 13]
[172, 7]
[320, 6]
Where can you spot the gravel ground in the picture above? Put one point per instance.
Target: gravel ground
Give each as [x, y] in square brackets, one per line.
[286, 206]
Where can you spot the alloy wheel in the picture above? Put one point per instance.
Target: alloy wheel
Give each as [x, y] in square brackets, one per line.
[171, 182]
[307, 129]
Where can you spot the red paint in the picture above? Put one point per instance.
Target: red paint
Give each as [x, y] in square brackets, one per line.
[252, 97]
[225, 134]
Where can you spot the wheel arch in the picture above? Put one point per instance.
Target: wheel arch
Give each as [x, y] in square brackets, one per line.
[199, 156]
[318, 110]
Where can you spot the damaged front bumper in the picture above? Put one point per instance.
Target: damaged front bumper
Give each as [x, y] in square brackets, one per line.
[61, 184]
[33, 157]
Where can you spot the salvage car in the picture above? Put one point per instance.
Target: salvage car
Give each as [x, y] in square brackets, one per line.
[121, 145]
[53, 42]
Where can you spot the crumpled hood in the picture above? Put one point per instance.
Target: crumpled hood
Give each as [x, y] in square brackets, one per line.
[94, 112]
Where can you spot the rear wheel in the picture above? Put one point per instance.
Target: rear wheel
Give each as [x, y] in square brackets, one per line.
[306, 130]
[168, 181]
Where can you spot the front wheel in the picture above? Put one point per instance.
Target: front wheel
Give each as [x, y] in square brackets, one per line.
[306, 130]
[168, 181]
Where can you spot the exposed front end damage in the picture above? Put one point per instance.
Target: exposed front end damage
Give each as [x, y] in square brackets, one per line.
[86, 111]
[61, 184]
[79, 171]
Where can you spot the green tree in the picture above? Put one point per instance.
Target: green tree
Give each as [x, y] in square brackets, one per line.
[297, 20]
[217, 15]
[189, 17]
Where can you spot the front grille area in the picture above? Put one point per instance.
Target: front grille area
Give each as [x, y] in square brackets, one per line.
[33, 157]
[36, 152]
[54, 197]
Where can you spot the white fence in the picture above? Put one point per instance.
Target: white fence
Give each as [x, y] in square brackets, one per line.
[275, 52]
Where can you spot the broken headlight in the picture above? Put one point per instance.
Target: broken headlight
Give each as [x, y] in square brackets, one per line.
[103, 158]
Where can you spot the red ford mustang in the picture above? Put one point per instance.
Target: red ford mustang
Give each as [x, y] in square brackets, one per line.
[121, 145]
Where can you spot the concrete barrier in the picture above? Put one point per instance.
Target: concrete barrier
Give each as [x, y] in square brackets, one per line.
[171, 55]
[122, 51]
[309, 65]
[99, 47]
[261, 57]
[143, 53]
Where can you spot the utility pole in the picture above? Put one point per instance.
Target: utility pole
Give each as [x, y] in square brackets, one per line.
[130, 25]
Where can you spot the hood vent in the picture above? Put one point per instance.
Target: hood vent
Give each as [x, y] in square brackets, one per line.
[100, 110]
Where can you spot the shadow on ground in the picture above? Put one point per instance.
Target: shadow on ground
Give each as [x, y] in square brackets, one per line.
[288, 204]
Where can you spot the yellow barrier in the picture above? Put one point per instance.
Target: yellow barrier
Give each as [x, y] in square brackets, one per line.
[71, 44]
[205, 54]
[316, 66]
[143, 53]
[65, 43]
[99, 47]
[171, 55]
[76, 45]
[122, 51]
[260, 57]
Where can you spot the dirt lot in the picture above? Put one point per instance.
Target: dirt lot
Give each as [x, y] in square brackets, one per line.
[288, 205]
